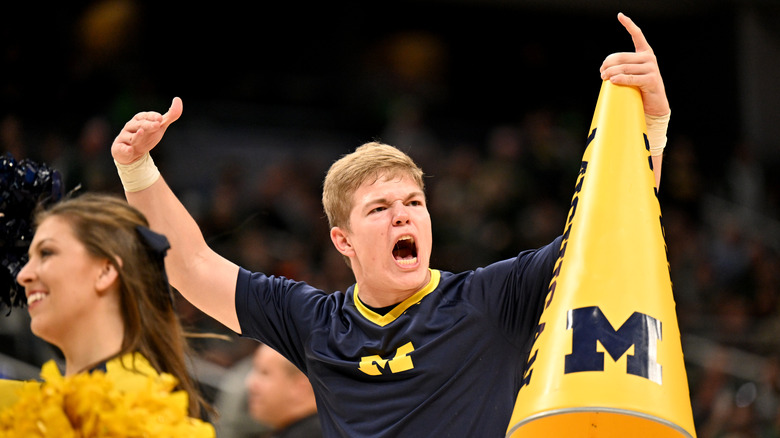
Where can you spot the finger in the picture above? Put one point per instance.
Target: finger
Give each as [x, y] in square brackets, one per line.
[640, 43]
[623, 79]
[124, 137]
[621, 75]
[610, 62]
[136, 134]
[135, 125]
[174, 112]
[637, 63]
[629, 69]
[148, 116]
[609, 71]
[647, 82]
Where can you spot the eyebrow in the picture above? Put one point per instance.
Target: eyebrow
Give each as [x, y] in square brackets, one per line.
[38, 245]
[385, 201]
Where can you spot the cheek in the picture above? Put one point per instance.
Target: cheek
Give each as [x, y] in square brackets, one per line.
[250, 381]
[66, 272]
[74, 296]
[263, 385]
[371, 244]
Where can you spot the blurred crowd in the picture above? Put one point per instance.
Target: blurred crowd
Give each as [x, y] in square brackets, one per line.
[488, 201]
[490, 196]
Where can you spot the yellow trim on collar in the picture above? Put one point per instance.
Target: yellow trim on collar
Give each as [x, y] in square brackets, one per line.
[399, 309]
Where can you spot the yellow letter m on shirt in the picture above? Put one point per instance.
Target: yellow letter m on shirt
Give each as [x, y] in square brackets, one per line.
[376, 366]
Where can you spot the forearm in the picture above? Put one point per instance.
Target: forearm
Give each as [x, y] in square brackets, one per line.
[203, 277]
[657, 160]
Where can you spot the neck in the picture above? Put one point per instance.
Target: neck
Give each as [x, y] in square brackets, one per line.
[91, 343]
[382, 297]
[382, 300]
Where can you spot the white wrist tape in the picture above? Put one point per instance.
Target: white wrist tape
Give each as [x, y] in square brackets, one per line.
[656, 133]
[139, 174]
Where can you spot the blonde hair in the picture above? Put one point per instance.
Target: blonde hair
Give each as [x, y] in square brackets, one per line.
[370, 161]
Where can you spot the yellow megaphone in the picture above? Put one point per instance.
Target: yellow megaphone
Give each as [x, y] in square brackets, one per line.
[607, 359]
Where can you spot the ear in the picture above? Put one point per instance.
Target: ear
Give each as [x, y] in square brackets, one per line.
[107, 277]
[340, 239]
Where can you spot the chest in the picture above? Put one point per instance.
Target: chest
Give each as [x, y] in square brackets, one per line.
[423, 348]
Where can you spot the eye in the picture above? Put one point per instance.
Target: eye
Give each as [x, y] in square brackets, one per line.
[45, 252]
[376, 210]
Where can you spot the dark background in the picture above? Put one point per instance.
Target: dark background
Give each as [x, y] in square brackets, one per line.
[275, 91]
[495, 60]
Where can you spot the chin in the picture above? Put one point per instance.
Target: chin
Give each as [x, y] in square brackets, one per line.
[415, 278]
[40, 331]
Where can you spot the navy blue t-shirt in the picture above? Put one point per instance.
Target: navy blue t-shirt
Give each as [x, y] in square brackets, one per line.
[446, 362]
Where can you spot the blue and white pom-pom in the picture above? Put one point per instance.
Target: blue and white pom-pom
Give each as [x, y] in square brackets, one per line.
[24, 185]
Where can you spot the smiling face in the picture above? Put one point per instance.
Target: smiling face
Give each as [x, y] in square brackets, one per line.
[389, 239]
[62, 282]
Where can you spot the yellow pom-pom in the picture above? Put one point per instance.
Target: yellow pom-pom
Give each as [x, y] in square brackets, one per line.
[126, 400]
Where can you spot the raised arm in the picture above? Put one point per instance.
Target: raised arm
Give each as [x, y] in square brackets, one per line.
[640, 69]
[203, 277]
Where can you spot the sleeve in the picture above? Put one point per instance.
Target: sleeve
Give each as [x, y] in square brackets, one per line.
[279, 312]
[514, 290]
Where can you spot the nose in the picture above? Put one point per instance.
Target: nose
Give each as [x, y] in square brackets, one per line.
[25, 275]
[400, 214]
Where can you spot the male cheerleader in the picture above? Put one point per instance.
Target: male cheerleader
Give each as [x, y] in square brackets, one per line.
[408, 350]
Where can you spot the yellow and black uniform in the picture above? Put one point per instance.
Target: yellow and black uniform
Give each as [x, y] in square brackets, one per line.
[448, 361]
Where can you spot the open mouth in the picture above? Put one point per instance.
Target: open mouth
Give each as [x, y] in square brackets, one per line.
[35, 297]
[405, 251]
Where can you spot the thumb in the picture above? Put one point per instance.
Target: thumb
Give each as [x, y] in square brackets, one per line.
[174, 112]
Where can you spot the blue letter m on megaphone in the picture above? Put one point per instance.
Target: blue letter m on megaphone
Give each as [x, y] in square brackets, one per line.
[588, 325]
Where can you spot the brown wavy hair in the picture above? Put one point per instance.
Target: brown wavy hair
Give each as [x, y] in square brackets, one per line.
[106, 225]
